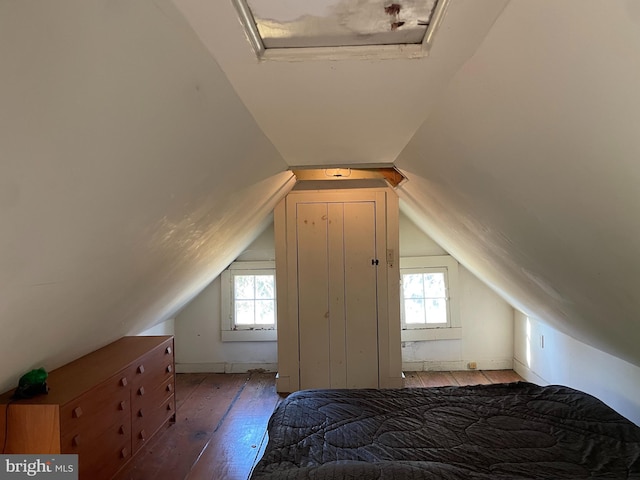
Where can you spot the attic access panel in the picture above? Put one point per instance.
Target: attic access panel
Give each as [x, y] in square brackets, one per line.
[331, 27]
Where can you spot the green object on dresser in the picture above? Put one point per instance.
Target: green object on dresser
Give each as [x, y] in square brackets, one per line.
[32, 383]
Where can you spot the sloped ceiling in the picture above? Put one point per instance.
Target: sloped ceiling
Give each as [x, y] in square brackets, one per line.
[528, 168]
[347, 111]
[143, 145]
[130, 174]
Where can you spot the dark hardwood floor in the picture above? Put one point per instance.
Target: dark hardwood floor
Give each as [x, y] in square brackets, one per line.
[221, 419]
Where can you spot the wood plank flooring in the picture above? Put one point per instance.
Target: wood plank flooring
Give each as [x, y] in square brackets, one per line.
[221, 420]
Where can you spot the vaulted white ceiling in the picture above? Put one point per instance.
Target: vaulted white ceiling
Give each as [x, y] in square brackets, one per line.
[137, 139]
[527, 169]
[342, 111]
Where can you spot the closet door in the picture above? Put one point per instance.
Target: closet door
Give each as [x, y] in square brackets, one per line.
[337, 287]
[360, 295]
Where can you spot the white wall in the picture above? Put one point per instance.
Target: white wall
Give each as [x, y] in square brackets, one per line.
[528, 165]
[165, 328]
[197, 328]
[545, 356]
[486, 319]
[487, 323]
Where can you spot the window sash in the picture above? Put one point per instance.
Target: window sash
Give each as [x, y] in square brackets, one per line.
[416, 299]
[256, 304]
[247, 311]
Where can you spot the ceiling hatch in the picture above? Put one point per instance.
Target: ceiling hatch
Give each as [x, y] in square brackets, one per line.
[335, 28]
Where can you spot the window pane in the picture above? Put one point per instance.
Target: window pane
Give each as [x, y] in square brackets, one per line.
[436, 310]
[412, 285]
[425, 299]
[243, 286]
[434, 285]
[265, 286]
[265, 312]
[414, 311]
[244, 312]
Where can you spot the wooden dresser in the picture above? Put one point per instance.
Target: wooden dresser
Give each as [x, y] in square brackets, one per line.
[104, 406]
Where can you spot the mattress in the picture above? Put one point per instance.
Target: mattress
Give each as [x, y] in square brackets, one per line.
[502, 431]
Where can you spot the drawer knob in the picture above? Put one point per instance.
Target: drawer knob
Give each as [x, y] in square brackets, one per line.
[77, 412]
[168, 351]
[124, 453]
[121, 430]
[140, 414]
[123, 382]
[169, 369]
[141, 369]
[141, 391]
[169, 407]
[143, 435]
[122, 405]
[76, 441]
[169, 388]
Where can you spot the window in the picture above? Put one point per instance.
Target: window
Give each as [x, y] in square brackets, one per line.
[424, 298]
[249, 302]
[333, 29]
[428, 306]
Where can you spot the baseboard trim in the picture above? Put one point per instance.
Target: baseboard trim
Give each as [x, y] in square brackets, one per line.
[435, 366]
[528, 374]
[221, 367]
[440, 366]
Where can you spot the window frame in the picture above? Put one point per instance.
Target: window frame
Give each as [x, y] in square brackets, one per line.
[362, 52]
[229, 331]
[453, 329]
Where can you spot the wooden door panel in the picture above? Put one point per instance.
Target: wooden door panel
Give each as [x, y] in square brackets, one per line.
[313, 305]
[360, 272]
[338, 348]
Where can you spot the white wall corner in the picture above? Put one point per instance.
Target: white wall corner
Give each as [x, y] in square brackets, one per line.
[528, 374]
[164, 328]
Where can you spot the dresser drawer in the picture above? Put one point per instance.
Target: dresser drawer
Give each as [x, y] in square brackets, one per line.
[100, 455]
[145, 398]
[147, 424]
[155, 367]
[99, 408]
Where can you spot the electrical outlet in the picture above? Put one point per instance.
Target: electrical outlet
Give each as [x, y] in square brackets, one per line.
[472, 365]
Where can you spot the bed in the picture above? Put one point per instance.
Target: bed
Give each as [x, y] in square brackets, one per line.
[502, 431]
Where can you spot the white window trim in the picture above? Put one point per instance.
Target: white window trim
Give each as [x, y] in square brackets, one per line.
[454, 330]
[228, 334]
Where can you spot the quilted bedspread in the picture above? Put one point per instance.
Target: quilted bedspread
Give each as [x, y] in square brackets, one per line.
[502, 431]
